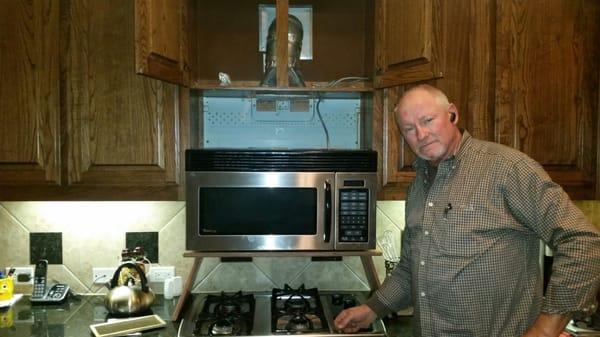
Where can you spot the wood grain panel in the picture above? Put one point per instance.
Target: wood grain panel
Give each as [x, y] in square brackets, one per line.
[122, 128]
[394, 155]
[29, 94]
[464, 35]
[161, 40]
[481, 64]
[281, 35]
[546, 85]
[408, 40]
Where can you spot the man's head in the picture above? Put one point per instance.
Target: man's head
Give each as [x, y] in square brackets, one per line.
[427, 122]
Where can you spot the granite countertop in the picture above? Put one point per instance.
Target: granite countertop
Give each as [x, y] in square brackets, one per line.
[74, 317]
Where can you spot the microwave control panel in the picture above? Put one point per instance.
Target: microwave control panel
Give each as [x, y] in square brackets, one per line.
[354, 215]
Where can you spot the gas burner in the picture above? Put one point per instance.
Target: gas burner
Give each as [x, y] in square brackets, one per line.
[297, 311]
[299, 323]
[221, 327]
[226, 315]
[296, 304]
[227, 307]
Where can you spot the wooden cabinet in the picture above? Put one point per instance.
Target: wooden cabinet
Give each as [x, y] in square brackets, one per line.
[81, 125]
[407, 41]
[524, 74]
[219, 39]
[29, 94]
[161, 40]
[77, 123]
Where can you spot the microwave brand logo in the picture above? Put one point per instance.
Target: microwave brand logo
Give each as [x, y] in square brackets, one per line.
[209, 231]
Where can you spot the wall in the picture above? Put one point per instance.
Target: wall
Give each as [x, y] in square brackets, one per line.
[93, 235]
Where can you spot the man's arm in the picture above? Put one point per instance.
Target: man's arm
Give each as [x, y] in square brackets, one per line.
[548, 325]
[545, 208]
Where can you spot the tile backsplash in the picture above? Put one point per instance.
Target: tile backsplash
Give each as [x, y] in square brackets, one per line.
[93, 234]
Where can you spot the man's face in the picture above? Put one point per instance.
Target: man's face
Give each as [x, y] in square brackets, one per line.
[426, 126]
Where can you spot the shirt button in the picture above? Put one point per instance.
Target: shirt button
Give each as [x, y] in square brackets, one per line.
[426, 232]
[422, 294]
[422, 263]
[430, 204]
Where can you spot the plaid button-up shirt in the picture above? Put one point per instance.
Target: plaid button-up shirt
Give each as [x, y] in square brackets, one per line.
[470, 249]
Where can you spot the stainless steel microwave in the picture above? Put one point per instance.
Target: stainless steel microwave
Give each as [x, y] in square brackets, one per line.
[273, 200]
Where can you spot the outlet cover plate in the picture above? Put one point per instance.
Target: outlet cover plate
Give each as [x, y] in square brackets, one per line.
[160, 273]
[25, 272]
[101, 275]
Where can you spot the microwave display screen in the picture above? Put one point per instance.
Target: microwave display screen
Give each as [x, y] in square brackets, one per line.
[257, 211]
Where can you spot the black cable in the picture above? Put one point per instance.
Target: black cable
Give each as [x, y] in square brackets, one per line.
[322, 122]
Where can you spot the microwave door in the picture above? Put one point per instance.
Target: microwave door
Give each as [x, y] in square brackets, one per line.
[260, 211]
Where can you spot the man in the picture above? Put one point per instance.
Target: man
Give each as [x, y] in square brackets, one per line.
[474, 216]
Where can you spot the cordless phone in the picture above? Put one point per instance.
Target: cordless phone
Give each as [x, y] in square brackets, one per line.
[39, 280]
[56, 293]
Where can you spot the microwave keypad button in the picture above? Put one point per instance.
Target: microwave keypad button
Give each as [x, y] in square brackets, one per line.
[353, 212]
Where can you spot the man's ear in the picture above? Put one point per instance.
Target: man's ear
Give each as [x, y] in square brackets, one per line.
[453, 114]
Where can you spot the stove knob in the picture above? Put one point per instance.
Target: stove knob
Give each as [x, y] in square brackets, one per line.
[349, 302]
[337, 299]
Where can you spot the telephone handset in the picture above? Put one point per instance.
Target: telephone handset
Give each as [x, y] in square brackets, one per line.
[56, 293]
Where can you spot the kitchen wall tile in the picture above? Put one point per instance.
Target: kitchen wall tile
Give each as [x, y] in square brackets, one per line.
[46, 246]
[83, 223]
[355, 264]
[171, 243]
[393, 210]
[76, 216]
[235, 276]
[388, 227]
[282, 270]
[148, 241]
[14, 241]
[61, 274]
[329, 276]
[208, 266]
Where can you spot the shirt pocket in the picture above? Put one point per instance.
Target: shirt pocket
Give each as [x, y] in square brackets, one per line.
[463, 231]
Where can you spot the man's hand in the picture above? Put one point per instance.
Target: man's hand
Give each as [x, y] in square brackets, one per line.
[353, 319]
[547, 325]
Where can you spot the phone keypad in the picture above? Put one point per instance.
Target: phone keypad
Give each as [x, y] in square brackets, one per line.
[39, 288]
[57, 291]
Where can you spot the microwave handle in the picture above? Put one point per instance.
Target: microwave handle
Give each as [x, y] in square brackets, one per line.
[327, 234]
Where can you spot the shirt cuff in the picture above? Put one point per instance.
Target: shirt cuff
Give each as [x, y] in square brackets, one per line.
[377, 306]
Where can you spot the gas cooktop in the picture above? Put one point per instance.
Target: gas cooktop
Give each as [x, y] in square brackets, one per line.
[303, 311]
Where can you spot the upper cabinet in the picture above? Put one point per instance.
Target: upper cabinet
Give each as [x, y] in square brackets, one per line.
[77, 122]
[29, 94]
[547, 81]
[522, 73]
[407, 41]
[223, 37]
[161, 40]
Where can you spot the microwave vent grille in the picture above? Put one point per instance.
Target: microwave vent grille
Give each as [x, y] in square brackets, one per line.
[281, 161]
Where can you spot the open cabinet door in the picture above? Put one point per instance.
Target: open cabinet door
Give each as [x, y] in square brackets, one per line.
[407, 41]
[161, 49]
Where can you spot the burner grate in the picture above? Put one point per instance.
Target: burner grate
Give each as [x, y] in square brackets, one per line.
[297, 311]
[226, 315]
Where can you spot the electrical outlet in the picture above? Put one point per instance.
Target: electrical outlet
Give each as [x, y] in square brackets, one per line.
[102, 275]
[160, 273]
[22, 275]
